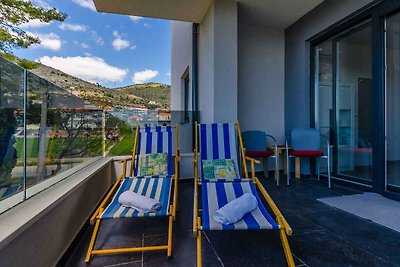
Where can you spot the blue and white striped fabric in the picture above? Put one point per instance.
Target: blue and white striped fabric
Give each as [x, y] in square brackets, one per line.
[218, 141]
[217, 194]
[157, 188]
[156, 139]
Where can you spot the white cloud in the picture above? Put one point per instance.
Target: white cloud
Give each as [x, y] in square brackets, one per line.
[93, 69]
[86, 4]
[41, 3]
[168, 74]
[87, 54]
[49, 41]
[97, 39]
[82, 45]
[144, 76]
[34, 23]
[119, 43]
[133, 47]
[135, 18]
[72, 27]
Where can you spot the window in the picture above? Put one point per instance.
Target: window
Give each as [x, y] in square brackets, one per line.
[185, 95]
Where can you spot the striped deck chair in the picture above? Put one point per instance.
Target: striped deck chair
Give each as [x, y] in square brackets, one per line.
[216, 142]
[148, 140]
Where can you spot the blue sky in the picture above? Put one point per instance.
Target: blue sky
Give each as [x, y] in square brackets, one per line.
[114, 50]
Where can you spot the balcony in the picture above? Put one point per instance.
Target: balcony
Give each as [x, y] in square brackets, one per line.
[63, 155]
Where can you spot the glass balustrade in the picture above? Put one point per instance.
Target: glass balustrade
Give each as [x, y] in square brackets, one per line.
[46, 130]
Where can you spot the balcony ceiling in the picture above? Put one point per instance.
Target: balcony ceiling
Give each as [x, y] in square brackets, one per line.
[276, 13]
[183, 10]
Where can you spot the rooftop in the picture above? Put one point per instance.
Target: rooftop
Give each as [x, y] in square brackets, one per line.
[322, 235]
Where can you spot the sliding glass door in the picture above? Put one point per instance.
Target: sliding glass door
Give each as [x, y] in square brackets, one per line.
[343, 101]
[356, 89]
[354, 103]
[392, 44]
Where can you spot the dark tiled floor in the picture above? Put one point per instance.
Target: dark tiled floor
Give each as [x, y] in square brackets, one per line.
[322, 236]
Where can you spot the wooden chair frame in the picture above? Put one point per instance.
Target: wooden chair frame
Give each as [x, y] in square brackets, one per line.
[284, 228]
[95, 219]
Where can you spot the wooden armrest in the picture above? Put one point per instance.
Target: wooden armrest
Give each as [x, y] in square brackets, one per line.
[124, 160]
[252, 159]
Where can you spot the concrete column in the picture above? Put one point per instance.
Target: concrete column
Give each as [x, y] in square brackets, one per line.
[218, 64]
[225, 61]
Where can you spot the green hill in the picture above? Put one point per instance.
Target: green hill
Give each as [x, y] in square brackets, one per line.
[148, 95]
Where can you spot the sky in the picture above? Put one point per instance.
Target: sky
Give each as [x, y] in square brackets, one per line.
[113, 50]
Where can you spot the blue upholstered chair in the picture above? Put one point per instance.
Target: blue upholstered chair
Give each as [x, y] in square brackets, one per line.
[306, 143]
[256, 145]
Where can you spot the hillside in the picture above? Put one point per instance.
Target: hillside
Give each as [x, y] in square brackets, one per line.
[148, 95]
[159, 95]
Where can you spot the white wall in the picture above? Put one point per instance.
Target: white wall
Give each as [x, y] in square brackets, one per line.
[181, 55]
[225, 61]
[261, 52]
[206, 67]
[218, 63]
[181, 61]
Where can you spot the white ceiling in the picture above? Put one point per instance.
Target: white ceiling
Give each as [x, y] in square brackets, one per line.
[276, 13]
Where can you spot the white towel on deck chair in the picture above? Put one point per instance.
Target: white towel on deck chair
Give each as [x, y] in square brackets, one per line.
[236, 209]
[133, 200]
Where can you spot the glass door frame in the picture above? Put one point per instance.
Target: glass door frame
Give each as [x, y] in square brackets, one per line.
[377, 11]
[383, 18]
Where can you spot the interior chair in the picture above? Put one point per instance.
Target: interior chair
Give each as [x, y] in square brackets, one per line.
[256, 146]
[306, 143]
[148, 141]
[221, 143]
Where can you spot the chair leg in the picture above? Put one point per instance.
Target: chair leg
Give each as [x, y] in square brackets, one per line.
[175, 200]
[329, 172]
[265, 162]
[199, 262]
[93, 239]
[276, 170]
[285, 244]
[288, 170]
[286, 248]
[318, 168]
[169, 250]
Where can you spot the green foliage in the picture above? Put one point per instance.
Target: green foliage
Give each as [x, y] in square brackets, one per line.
[8, 155]
[9, 57]
[32, 147]
[123, 147]
[16, 12]
[27, 64]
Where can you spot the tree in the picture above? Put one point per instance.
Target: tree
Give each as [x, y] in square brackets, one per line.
[8, 154]
[13, 13]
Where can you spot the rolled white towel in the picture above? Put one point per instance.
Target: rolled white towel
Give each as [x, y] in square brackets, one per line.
[236, 209]
[133, 200]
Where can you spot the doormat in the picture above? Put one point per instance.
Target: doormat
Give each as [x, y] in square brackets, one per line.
[369, 206]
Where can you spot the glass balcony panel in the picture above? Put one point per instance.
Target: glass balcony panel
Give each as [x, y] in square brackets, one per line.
[11, 129]
[63, 130]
